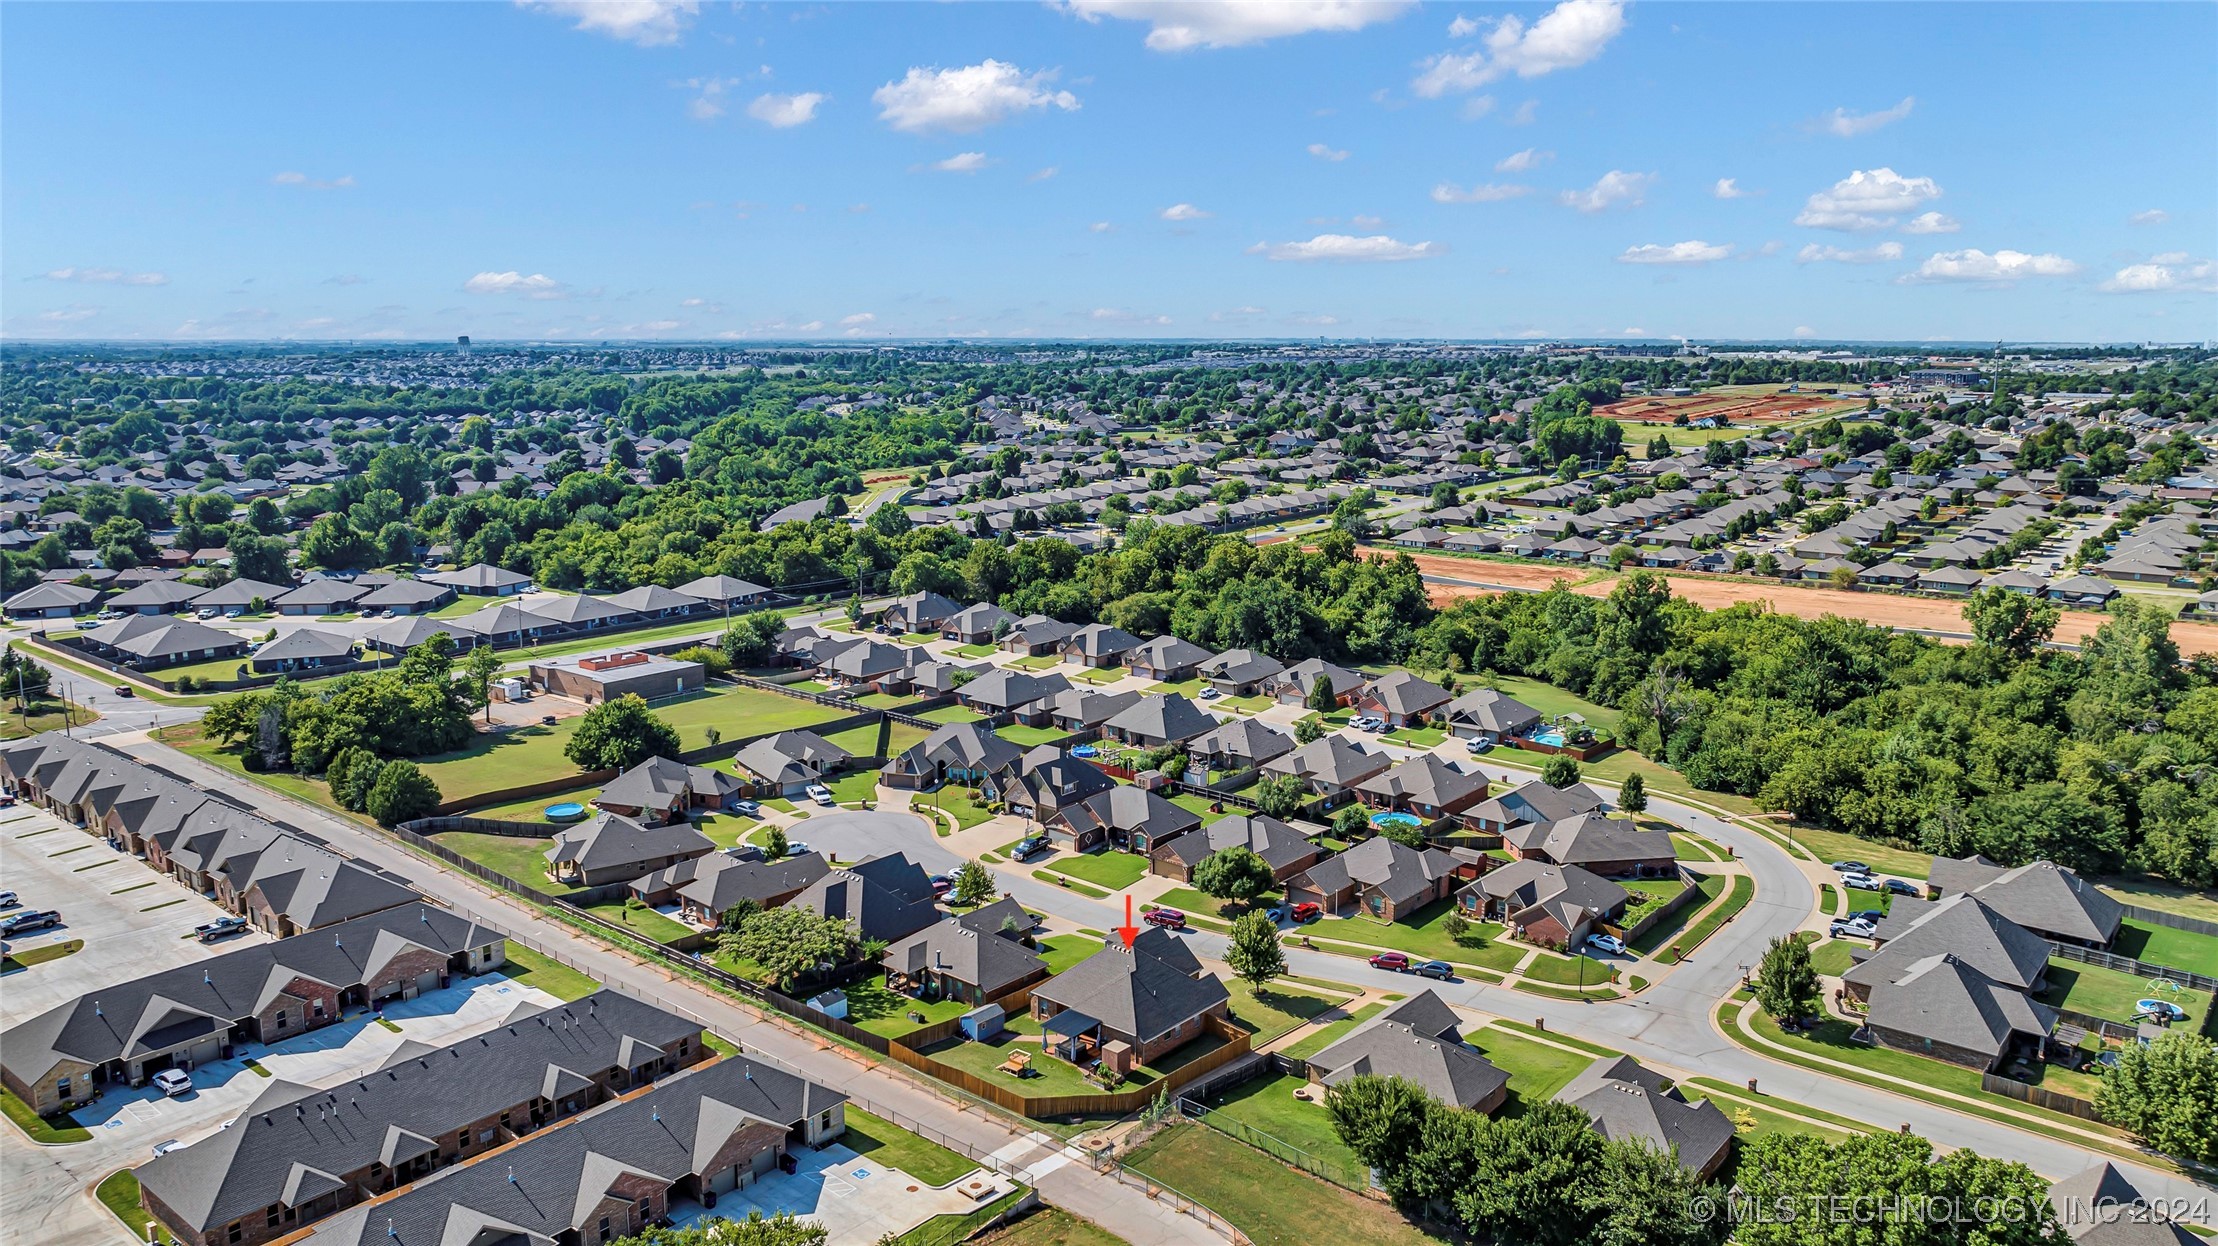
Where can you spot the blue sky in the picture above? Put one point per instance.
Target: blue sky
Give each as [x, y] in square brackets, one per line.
[1109, 168]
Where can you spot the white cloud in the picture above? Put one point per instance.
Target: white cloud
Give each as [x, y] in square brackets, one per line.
[1525, 113]
[1569, 35]
[968, 98]
[1485, 192]
[1238, 313]
[106, 277]
[1044, 174]
[1182, 25]
[1729, 188]
[1815, 254]
[1322, 152]
[1998, 268]
[961, 162]
[1462, 28]
[783, 112]
[1931, 223]
[1530, 158]
[1365, 221]
[1845, 124]
[535, 286]
[306, 182]
[1612, 189]
[859, 318]
[1100, 227]
[1182, 212]
[648, 23]
[1694, 252]
[1118, 315]
[2174, 270]
[70, 314]
[1867, 199]
[1348, 249]
[2154, 216]
[1477, 106]
[1803, 330]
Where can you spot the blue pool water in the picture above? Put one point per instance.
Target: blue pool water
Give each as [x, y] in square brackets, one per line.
[566, 811]
[1395, 819]
[1084, 750]
[1550, 737]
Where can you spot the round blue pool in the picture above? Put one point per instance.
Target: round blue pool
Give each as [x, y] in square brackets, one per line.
[1084, 750]
[567, 811]
[1395, 819]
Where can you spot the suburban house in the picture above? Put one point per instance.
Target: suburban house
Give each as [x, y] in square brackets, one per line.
[1240, 672]
[2043, 897]
[1124, 816]
[320, 594]
[1329, 767]
[610, 848]
[303, 649]
[599, 678]
[886, 897]
[2102, 1207]
[1556, 905]
[1286, 850]
[1425, 785]
[1002, 692]
[481, 580]
[1154, 721]
[1379, 878]
[1167, 659]
[1035, 635]
[1045, 781]
[961, 752]
[1098, 645]
[1293, 685]
[1627, 1102]
[653, 601]
[611, 1173]
[724, 592]
[152, 641]
[1419, 1040]
[406, 597]
[1942, 1006]
[786, 763]
[299, 1155]
[1238, 744]
[257, 993]
[154, 597]
[919, 612]
[1532, 802]
[1485, 712]
[1614, 847]
[1128, 1006]
[1402, 699]
[1083, 709]
[981, 624]
[705, 888]
[51, 600]
[977, 956]
[660, 790]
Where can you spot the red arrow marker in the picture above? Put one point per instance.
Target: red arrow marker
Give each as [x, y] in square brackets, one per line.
[1128, 930]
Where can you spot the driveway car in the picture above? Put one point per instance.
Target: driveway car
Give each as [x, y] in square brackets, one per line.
[1307, 912]
[1858, 929]
[1851, 867]
[8, 900]
[1903, 887]
[1862, 882]
[173, 1082]
[1438, 969]
[1396, 961]
[36, 919]
[1030, 845]
[1606, 943]
[1169, 919]
[748, 807]
[821, 795]
[798, 848]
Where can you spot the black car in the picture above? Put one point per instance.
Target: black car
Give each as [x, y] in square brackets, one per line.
[1028, 846]
[37, 919]
[1439, 969]
[1851, 867]
[1902, 888]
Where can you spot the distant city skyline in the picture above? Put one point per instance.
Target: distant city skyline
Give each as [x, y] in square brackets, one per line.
[1109, 169]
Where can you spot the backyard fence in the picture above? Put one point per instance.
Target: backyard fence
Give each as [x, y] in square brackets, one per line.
[1285, 1152]
[1105, 1103]
[2054, 1101]
[2174, 921]
[2127, 964]
[948, 1230]
[2099, 1026]
[1662, 912]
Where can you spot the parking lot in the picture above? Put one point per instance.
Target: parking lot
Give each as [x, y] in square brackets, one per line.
[133, 921]
[858, 1199]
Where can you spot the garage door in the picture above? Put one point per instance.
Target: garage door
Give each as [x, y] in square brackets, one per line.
[427, 982]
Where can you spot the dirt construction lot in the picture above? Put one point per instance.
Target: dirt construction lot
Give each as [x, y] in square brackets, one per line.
[1758, 405]
[1925, 614]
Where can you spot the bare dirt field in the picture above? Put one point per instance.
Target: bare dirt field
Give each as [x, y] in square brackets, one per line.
[1935, 615]
[1750, 405]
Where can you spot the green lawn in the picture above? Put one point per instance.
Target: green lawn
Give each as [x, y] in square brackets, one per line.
[19, 961]
[2109, 994]
[48, 1130]
[1113, 870]
[955, 800]
[648, 923]
[1418, 737]
[951, 714]
[2163, 945]
[119, 1193]
[1424, 935]
[535, 809]
[1267, 1104]
[1331, 1032]
[896, 1147]
[522, 859]
[1200, 805]
[1272, 1204]
[1052, 1226]
[1037, 662]
[725, 830]
[874, 1008]
[1188, 688]
[1029, 737]
[854, 787]
[1053, 1076]
[532, 969]
[1688, 848]
[975, 651]
[1194, 902]
[1536, 1070]
[1831, 957]
[1711, 885]
[1278, 1009]
[1063, 951]
[1829, 899]
[1765, 1122]
[1579, 971]
[1837, 846]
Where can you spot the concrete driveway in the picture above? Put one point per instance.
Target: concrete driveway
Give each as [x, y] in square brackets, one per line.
[858, 1199]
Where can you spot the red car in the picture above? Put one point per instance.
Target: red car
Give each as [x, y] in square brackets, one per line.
[1307, 912]
[1396, 961]
[1170, 919]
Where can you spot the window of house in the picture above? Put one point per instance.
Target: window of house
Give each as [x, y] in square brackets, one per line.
[61, 1087]
[232, 1234]
[604, 1228]
[319, 1008]
[485, 1134]
[273, 1215]
[462, 1141]
[280, 1018]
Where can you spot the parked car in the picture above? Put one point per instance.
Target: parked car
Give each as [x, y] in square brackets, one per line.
[8, 900]
[124, 690]
[1869, 916]
[1851, 927]
[798, 848]
[1209, 694]
[173, 1082]
[34, 919]
[205, 612]
[1851, 867]
[748, 807]
[821, 795]
[165, 1146]
[1275, 915]
[1862, 882]
[1478, 744]
[1438, 969]
[1903, 887]
[1307, 912]
[941, 884]
[1396, 961]
[219, 928]
[1030, 845]
[1169, 919]
[1606, 943]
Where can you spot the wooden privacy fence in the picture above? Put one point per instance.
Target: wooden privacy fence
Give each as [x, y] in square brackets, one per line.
[2175, 921]
[1655, 917]
[2070, 1105]
[1105, 1103]
[2127, 964]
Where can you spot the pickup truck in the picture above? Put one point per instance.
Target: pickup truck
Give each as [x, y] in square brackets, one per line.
[220, 928]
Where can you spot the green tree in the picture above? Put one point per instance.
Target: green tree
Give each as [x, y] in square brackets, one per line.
[402, 793]
[1405, 834]
[974, 884]
[1792, 1169]
[774, 845]
[1632, 795]
[756, 1230]
[1786, 984]
[789, 942]
[1309, 731]
[1320, 695]
[1561, 770]
[620, 733]
[2014, 623]
[478, 671]
[1381, 1119]
[1533, 1184]
[2166, 1094]
[351, 773]
[1280, 795]
[1254, 953]
[1351, 823]
[1236, 874]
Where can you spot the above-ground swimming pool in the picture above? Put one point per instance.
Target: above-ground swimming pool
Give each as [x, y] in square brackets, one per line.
[567, 811]
[1085, 750]
[1395, 819]
[1550, 737]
